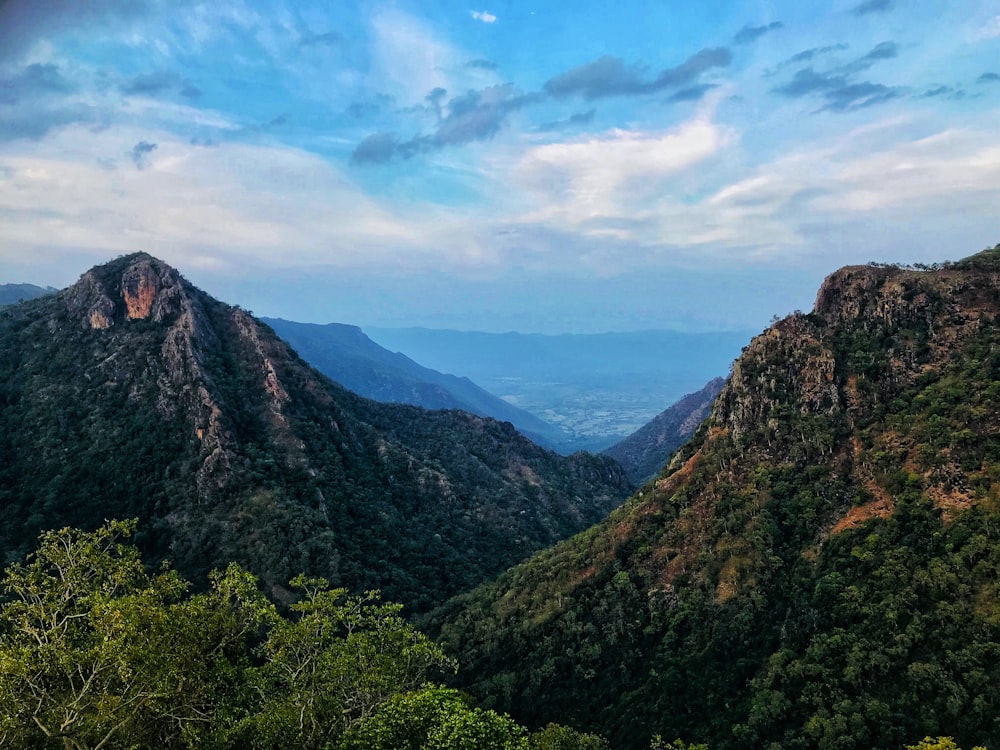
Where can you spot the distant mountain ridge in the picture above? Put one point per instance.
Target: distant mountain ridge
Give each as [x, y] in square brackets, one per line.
[599, 388]
[646, 451]
[11, 294]
[346, 355]
[134, 394]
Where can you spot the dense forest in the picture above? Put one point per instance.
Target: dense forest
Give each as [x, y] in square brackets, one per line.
[817, 567]
[134, 394]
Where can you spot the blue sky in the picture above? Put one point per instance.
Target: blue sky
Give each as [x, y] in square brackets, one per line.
[499, 166]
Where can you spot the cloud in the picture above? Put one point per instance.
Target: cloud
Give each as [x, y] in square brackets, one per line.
[482, 64]
[482, 15]
[408, 57]
[240, 204]
[693, 93]
[378, 148]
[881, 51]
[856, 96]
[579, 118]
[36, 99]
[594, 184]
[752, 33]
[989, 30]
[326, 39]
[369, 107]
[949, 92]
[139, 152]
[33, 81]
[609, 76]
[161, 82]
[872, 6]
[840, 94]
[806, 55]
[836, 87]
[989, 78]
[24, 22]
[473, 116]
[33, 122]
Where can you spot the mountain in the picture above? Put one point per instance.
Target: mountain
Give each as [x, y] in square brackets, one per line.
[134, 394]
[645, 451]
[817, 567]
[11, 294]
[346, 355]
[599, 388]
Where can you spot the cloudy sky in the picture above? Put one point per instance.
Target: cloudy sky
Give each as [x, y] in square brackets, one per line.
[535, 166]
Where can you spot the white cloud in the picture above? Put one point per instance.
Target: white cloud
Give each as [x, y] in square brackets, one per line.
[195, 206]
[409, 56]
[482, 15]
[595, 182]
[989, 30]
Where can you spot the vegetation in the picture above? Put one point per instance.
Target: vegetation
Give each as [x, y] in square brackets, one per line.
[816, 569]
[97, 653]
[133, 394]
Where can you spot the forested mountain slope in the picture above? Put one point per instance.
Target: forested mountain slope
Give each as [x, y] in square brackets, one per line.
[817, 568]
[134, 394]
[645, 451]
[347, 356]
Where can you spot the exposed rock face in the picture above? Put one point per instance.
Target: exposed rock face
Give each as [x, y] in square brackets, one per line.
[132, 393]
[846, 441]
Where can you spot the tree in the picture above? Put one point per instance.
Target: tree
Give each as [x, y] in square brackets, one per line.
[331, 668]
[940, 743]
[435, 718]
[95, 653]
[558, 737]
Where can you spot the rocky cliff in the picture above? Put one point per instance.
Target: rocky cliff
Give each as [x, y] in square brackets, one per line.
[814, 569]
[132, 393]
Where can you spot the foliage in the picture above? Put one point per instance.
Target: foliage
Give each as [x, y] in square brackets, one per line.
[558, 737]
[658, 743]
[435, 718]
[97, 653]
[939, 743]
[200, 422]
[815, 569]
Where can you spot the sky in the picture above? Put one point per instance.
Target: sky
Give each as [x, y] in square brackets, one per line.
[503, 165]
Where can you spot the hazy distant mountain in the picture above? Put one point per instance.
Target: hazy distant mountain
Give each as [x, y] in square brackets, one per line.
[345, 354]
[11, 294]
[646, 451]
[134, 394]
[599, 388]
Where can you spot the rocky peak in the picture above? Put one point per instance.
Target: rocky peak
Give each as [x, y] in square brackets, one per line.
[134, 287]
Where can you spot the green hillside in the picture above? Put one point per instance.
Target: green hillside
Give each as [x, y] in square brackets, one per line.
[133, 394]
[817, 567]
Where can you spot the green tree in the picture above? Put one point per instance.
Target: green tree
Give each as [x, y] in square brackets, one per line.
[95, 653]
[435, 718]
[940, 743]
[332, 667]
[558, 737]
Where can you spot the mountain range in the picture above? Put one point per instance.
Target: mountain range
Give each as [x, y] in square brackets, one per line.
[817, 567]
[347, 356]
[645, 452]
[11, 294]
[598, 388]
[134, 394]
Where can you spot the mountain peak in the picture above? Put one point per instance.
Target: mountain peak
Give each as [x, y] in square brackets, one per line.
[132, 287]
